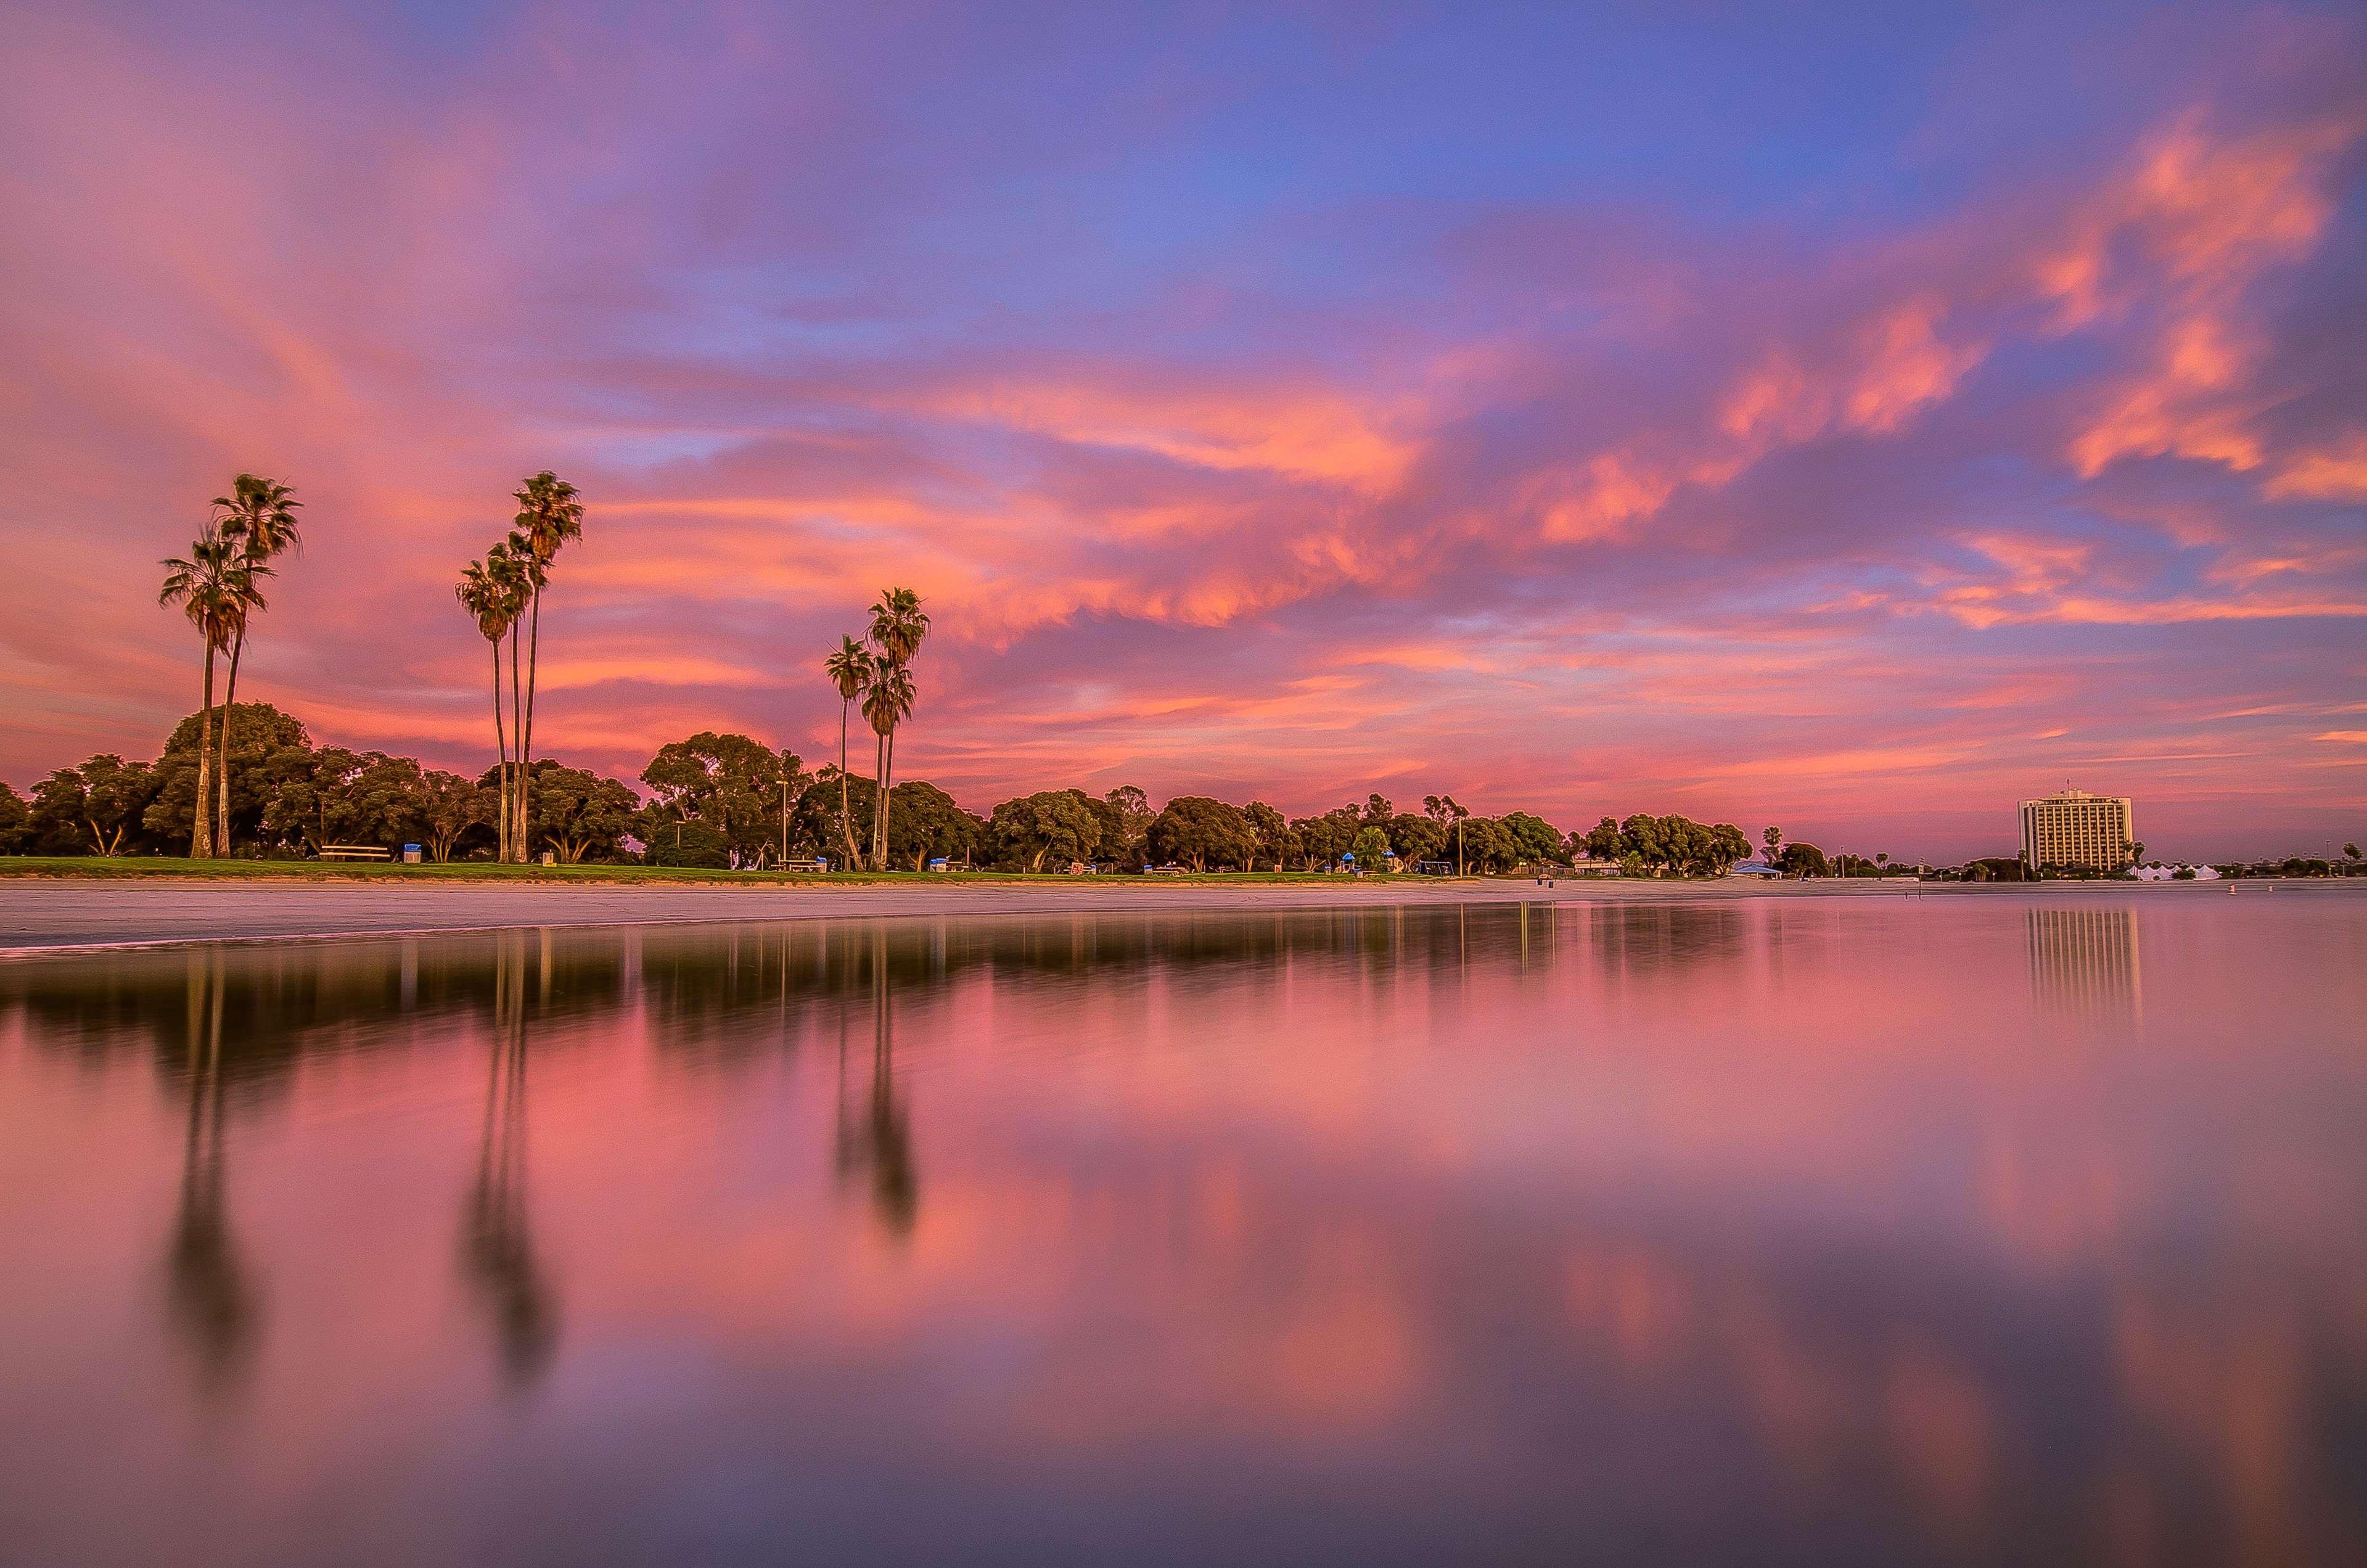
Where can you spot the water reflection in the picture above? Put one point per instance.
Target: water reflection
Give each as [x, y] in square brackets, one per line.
[1773, 1230]
[213, 1301]
[877, 1145]
[2083, 962]
[497, 1248]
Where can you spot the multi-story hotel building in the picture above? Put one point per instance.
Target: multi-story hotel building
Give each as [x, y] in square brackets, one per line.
[2094, 832]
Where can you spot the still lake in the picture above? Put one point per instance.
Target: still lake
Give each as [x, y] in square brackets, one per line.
[2013, 1226]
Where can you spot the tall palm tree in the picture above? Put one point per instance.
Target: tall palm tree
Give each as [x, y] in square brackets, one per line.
[206, 585]
[898, 626]
[885, 700]
[491, 590]
[259, 516]
[549, 515]
[525, 575]
[849, 669]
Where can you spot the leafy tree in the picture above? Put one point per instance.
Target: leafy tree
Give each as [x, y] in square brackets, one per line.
[385, 801]
[91, 809]
[2350, 853]
[735, 785]
[1323, 839]
[1486, 846]
[580, 815]
[1419, 837]
[1378, 812]
[925, 825]
[1050, 824]
[259, 731]
[1604, 841]
[1647, 839]
[824, 820]
[16, 821]
[1274, 837]
[1371, 847]
[1533, 839]
[450, 808]
[1450, 816]
[688, 844]
[1803, 860]
[1195, 830]
[1126, 818]
[344, 797]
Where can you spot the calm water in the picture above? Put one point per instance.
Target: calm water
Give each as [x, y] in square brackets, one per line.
[1821, 1231]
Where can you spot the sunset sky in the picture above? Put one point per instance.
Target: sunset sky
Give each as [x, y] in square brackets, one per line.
[1852, 424]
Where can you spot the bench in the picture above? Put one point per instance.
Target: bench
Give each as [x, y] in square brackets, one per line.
[355, 852]
[805, 866]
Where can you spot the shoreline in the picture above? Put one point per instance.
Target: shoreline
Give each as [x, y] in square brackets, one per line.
[63, 915]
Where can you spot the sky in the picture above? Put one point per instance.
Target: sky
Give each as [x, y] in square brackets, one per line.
[1855, 421]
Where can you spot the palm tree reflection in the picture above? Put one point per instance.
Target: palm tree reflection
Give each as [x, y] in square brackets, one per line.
[497, 1248]
[212, 1302]
[880, 1142]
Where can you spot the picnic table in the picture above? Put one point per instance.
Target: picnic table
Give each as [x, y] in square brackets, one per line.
[355, 852]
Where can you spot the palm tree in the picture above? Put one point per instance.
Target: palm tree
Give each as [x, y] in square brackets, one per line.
[549, 515]
[208, 585]
[525, 575]
[898, 626]
[259, 516]
[849, 669]
[888, 699]
[491, 590]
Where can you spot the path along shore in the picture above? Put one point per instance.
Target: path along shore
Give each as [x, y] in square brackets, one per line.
[46, 914]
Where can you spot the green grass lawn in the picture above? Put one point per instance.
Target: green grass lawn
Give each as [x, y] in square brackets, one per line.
[160, 867]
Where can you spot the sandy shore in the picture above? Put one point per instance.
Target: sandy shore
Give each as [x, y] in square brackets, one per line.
[46, 916]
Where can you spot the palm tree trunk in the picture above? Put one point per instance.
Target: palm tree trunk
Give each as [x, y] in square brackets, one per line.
[887, 774]
[201, 836]
[230, 703]
[500, 746]
[878, 790]
[526, 731]
[846, 812]
[515, 793]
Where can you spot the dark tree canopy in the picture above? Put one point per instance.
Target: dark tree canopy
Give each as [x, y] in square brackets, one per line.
[256, 725]
[734, 784]
[924, 824]
[16, 821]
[1199, 832]
[1056, 825]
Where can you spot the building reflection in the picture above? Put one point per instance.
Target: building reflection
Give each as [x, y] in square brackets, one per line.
[497, 1252]
[2083, 962]
[212, 1302]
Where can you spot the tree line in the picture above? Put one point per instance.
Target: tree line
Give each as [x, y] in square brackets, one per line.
[725, 799]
